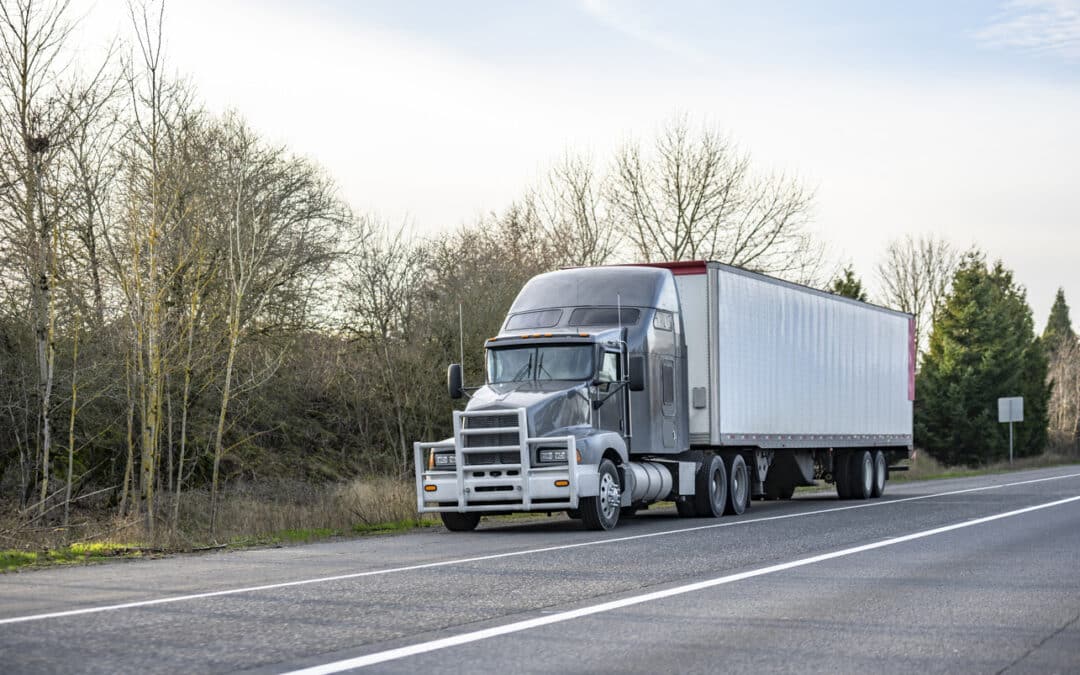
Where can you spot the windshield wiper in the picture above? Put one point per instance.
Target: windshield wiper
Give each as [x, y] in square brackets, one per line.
[540, 368]
[525, 370]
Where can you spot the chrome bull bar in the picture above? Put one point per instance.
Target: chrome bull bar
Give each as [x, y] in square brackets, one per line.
[519, 486]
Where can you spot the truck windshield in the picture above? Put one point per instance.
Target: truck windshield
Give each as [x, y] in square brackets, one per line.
[540, 363]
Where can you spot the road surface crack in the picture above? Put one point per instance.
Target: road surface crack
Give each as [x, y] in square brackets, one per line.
[1041, 643]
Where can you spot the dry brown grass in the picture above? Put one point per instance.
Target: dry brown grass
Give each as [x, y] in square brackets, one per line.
[248, 514]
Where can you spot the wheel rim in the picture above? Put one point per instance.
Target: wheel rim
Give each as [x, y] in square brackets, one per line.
[868, 472]
[716, 489]
[879, 467]
[610, 497]
[738, 485]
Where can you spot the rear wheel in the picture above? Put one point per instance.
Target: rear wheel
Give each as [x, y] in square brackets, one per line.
[460, 522]
[881, 474]
[602, 511]
[861, 474]
[710, 496]
[840, 475]
[738, 494]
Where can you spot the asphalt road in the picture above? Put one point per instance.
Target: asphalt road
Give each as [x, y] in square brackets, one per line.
[969, 575]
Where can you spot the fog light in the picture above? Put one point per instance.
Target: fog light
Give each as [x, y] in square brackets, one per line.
[562, 483]
[430, 488]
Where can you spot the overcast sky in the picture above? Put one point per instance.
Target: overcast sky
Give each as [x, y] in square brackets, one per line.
[959, 118]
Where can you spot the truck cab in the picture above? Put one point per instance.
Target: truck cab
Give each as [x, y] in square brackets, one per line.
[587, 372]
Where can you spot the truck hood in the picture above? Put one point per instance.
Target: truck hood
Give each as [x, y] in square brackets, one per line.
[549, 406]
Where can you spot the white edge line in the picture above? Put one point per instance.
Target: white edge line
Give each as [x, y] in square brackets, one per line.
[495, 556]
[518, 626]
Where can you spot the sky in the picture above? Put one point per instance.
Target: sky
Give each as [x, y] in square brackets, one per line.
[959, 119]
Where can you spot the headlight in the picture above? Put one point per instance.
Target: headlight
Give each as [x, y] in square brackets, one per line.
[552, 455]
[444, 459]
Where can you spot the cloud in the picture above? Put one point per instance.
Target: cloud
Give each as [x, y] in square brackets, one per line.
[626, 19]
[1042, 26]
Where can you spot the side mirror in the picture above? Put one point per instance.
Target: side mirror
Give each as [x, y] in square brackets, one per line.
[454, 384]
[637, 373]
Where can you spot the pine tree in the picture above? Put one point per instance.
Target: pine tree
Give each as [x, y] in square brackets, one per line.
[982, 347]
[848, 285]
[1058, 326]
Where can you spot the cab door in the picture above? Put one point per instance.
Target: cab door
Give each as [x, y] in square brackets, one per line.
[611, 415]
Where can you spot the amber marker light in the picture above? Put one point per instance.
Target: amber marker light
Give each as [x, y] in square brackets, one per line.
[583, 335]
[430, 488]
[562, 482]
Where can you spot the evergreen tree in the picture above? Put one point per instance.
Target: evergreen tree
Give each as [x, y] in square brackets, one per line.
[848, 285]
[1058, 326]
[982, 347]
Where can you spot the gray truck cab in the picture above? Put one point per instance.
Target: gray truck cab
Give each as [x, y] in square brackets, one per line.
[586, 377]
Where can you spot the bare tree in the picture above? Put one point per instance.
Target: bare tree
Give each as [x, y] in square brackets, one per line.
[575, 213]
[915, 276]
[692, 195]
[280, 222]
[42, 109]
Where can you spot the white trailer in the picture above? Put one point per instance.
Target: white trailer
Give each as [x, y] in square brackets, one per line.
[772, 364]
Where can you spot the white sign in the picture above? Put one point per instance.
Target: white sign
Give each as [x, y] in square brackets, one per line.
[1011, 409]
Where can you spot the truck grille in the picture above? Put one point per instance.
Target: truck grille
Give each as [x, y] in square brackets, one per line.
[490, 440]
[490, 421]
[479, 458]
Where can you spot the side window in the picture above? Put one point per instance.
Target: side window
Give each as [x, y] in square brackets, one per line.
[667, 382]
[609, 368]
[663, 320]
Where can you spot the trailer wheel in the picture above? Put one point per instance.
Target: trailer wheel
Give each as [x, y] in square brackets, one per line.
[602, 511]
[710, 493]
[840, 475]
[881, 474]
[460, 522]
[738, 493]
[861, 475]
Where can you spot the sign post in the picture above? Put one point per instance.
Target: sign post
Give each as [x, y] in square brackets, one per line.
[1011, 410]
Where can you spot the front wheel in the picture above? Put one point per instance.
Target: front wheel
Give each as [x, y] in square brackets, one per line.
[460, 522]
[602, 511]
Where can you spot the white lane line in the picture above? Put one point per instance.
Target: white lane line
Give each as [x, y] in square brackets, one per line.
[509, 554]
[516, 627]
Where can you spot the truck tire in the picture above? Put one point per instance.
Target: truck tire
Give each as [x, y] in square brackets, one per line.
[687, 507]
[460, 522]
[602, 511]
[711, 487]
[778, 491]
[861, 474]
[840, 475]
[738, 492]
[881, 474]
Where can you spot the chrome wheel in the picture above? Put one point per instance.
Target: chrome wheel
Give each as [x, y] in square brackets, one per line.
[610, 495]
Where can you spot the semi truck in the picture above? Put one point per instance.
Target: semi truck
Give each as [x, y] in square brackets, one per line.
[611, 388]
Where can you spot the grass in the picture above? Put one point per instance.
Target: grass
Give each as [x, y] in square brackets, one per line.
[77, 553]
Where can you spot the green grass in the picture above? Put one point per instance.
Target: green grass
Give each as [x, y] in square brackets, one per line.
[393, 526]
[11, 560]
